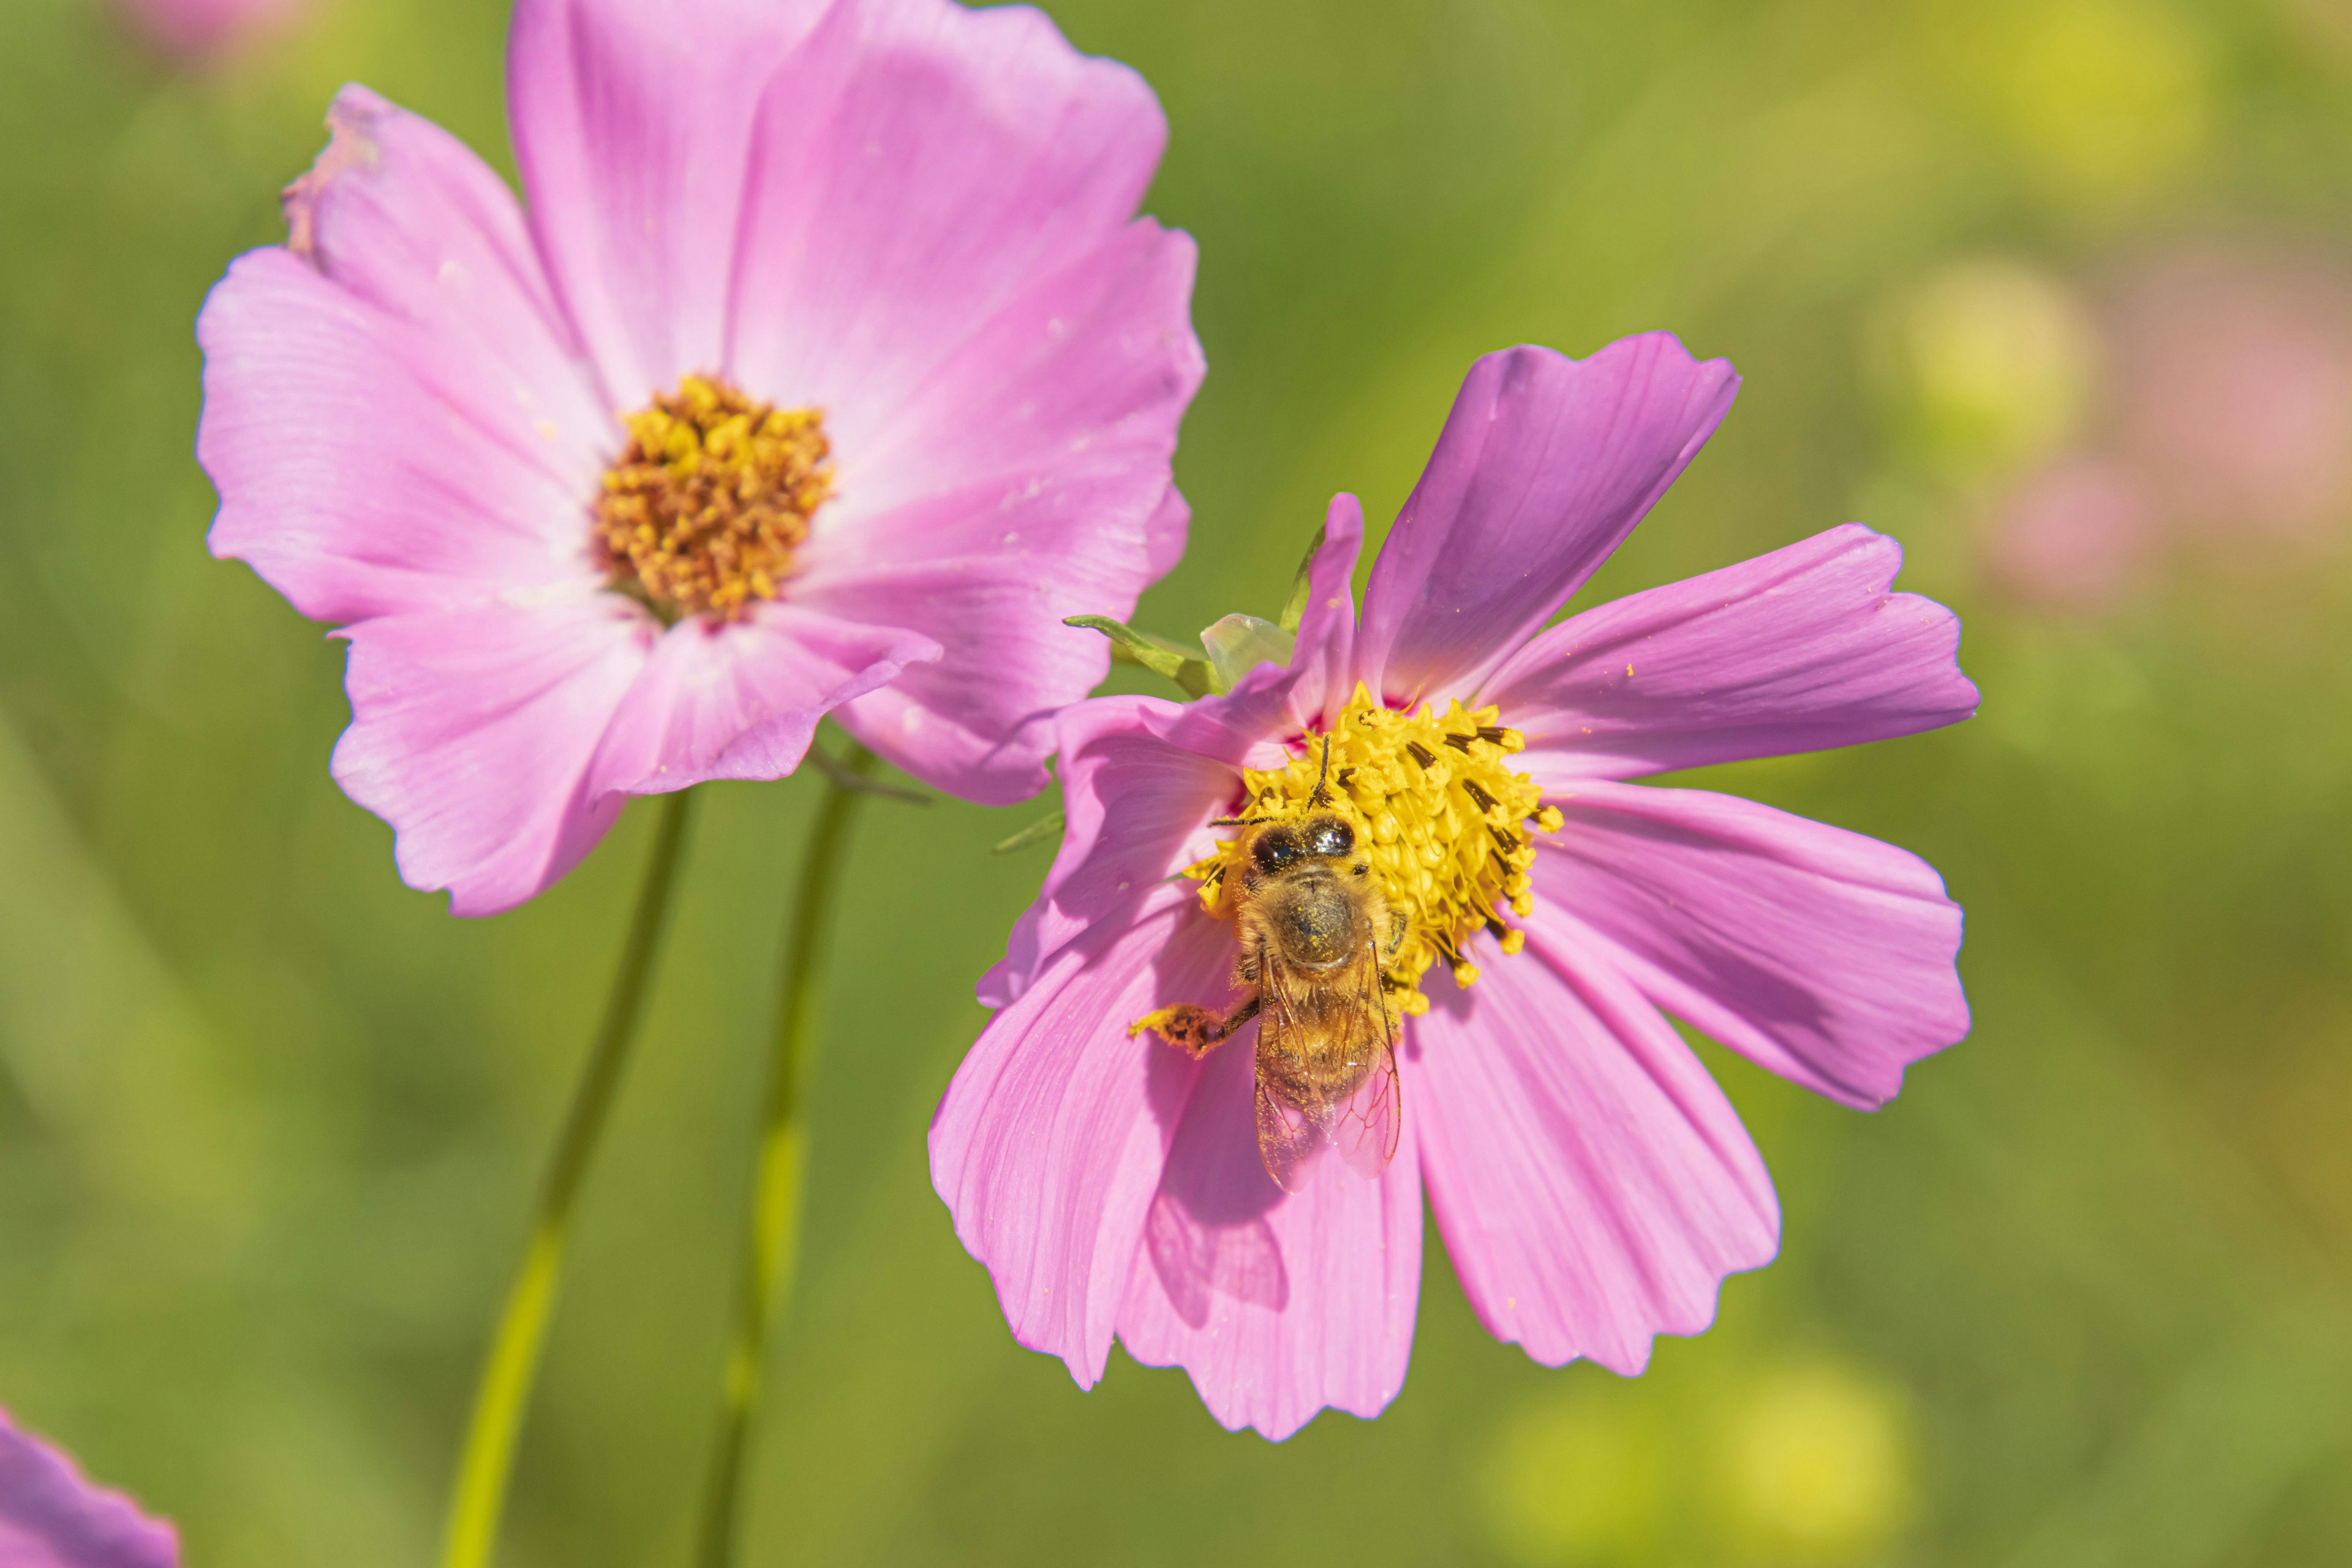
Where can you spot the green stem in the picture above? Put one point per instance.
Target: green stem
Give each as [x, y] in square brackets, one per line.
[504, 1394]
[772, 1243]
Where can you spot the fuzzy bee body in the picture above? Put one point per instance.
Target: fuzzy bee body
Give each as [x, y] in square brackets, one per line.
[1312, 926]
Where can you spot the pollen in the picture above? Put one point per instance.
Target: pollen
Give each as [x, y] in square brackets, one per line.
[702, 512]
[1446, 824]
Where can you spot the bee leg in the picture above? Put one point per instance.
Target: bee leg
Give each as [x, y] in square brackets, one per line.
[1399, 923]
[1192, 1028]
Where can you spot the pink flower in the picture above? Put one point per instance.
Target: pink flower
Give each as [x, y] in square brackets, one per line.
[827, 371]
[1591, 1182]
[51, 1518]
[197, 31]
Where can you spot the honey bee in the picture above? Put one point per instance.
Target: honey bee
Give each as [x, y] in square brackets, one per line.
[1313, 927]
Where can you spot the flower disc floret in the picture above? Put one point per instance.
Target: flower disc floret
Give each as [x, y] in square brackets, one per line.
[1448, 826]
[701, 513]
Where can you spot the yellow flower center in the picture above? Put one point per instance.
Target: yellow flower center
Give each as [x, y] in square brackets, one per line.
[1444, 821]
[701, 513]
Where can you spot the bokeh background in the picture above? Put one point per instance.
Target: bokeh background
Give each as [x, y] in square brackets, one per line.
[2056, 290]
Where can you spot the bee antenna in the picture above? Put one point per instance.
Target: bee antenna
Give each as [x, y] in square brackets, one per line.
[1319, 797]
[1238, 821]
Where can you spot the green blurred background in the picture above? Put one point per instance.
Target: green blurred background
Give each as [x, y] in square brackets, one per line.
[2051, 288]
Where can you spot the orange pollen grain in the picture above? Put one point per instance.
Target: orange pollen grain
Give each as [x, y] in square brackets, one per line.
[702, 512]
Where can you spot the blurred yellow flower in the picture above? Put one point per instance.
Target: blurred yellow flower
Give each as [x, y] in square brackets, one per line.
[1817, 1463]
[1994, 358]
[1576, 1480]
[2102, 98]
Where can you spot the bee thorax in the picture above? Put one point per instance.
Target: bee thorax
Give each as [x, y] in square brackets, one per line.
[1316, 923]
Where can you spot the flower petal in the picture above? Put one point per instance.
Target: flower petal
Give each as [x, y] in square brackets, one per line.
[1592, 1184]
[1323, 664]
[633, 127]
[741, 701]
[1275, 1304]
[1048, 1142]
[393, 414]
[51, 1518]
[1546, 464]
[917, 170]
[1050, 463]
[1799, 650]
[1821, 954]
[471, 733]
[1136, 811]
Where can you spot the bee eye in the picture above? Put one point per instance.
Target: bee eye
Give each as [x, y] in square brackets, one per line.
[1274, 848]
[1330, 838]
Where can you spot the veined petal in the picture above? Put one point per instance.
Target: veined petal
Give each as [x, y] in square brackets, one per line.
[1823, 955]
[1799, 650]
[1545, 465]
[741, 701]
[1592, 1184]
[633, 125]
[1276, 1305]
[471, 733]
[1048, 496]
[394, 413]
[917, 170]
[1048, 1142]
[1136, 811]
[52, 1518]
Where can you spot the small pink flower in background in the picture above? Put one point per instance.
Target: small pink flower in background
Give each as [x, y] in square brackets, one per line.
[828, 369]
[2075, 535]
[2223, 421]
[197, 31]
[2232, 379]
[1592, 1184]
[51, 1518]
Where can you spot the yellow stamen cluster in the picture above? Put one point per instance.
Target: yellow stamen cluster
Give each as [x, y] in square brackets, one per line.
[702, 513]
[1445, 822]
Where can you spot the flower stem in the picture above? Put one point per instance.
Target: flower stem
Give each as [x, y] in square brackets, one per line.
[772, 1243]
[504, 1394]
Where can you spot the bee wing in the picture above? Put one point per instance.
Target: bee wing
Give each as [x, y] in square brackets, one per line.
[1290, 1133]
[1367, 1125]
[1340, 1060]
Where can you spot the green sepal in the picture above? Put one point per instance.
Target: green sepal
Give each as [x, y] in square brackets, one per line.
[1045, 827]
[1156, 654]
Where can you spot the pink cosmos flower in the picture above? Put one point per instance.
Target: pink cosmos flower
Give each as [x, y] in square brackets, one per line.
[827, 371]
[196, 30]
[1592, 1184]
[51, 1518]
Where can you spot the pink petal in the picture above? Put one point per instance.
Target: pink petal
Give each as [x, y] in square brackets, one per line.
[1592, 1185]
[916, 172]
[392, 413]
[1164, 534]
[52, 1518]
[741, 701]
[1822, 955]
[471, 733]
[1054, 437]
[1136, 811]
[1799, 650]
[1048, 1143]
[1276, 1305]
[1545, 466]
[1323, 664]
[633, 125]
